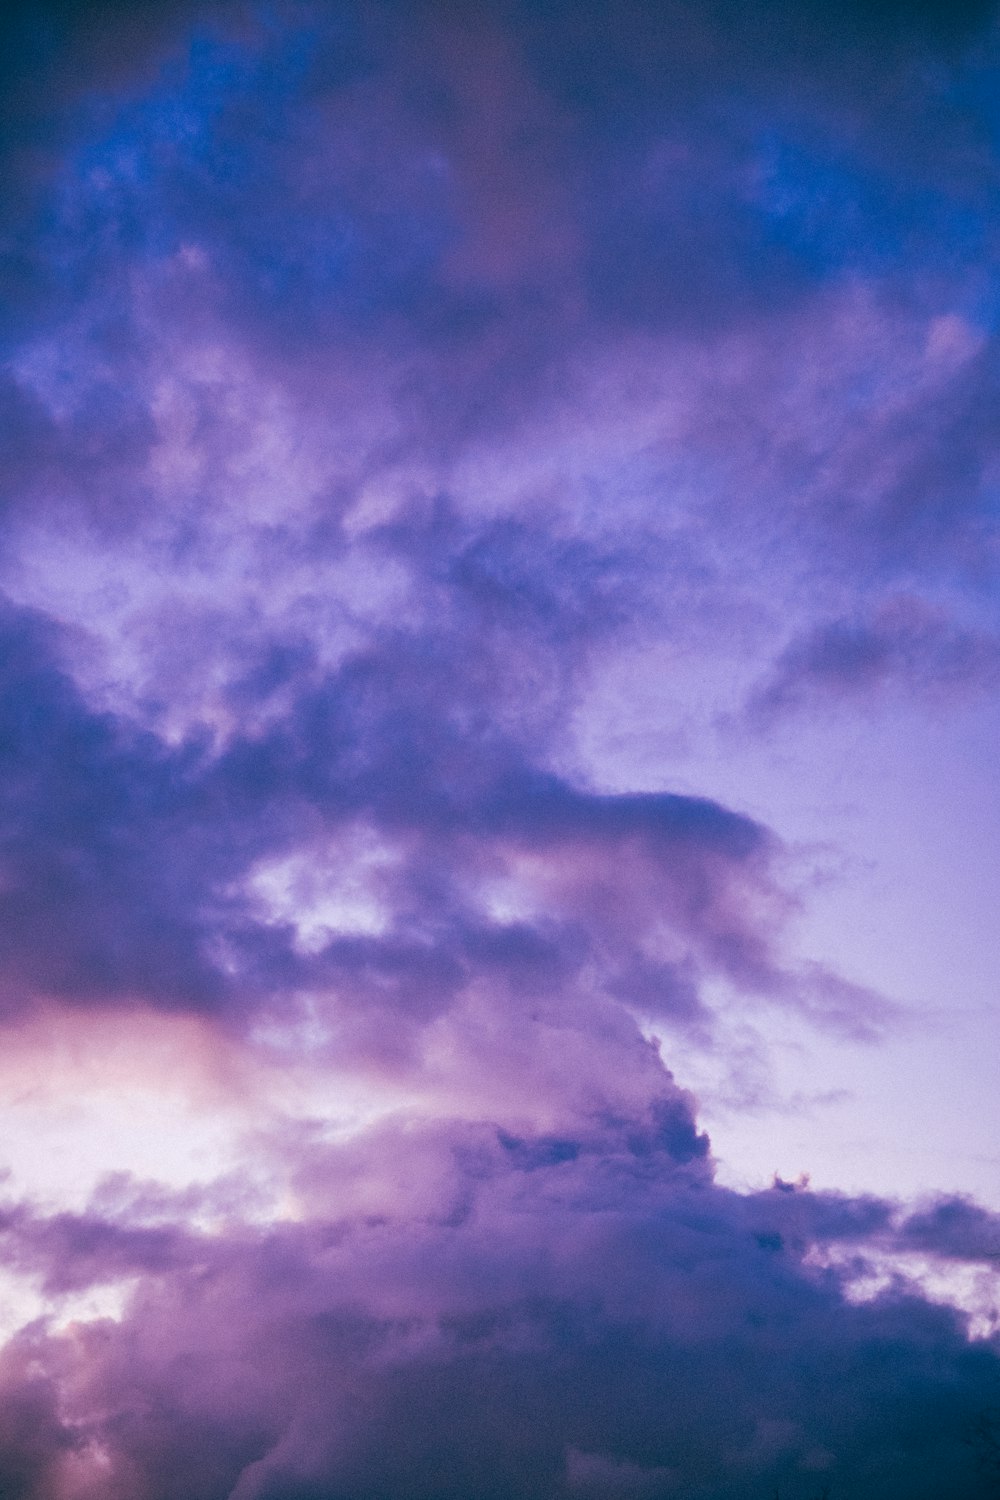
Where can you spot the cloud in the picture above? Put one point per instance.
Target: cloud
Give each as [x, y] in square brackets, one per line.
[956, 1227]
[378, 379]
[144, 873]
[906, 645]
[602, 1316]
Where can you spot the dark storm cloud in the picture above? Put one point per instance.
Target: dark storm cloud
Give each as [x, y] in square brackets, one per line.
[134, 887]
[474, 188]
[132, 868]
[596, 1316]
[91, 907]
[460, 205]
[124, 857]
[955, 1227]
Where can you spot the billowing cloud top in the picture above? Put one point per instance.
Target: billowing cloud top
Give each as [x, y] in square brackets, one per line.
[448, 451]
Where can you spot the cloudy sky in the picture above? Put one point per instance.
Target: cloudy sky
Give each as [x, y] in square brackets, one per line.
[499, 707]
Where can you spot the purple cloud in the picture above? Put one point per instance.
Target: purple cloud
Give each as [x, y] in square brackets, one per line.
[906, 644]
[381, 384]
[603, 1312]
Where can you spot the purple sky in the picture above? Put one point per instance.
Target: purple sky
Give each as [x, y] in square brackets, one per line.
[499, 707]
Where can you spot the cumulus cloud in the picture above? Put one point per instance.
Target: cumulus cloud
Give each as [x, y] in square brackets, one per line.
[594, 1315]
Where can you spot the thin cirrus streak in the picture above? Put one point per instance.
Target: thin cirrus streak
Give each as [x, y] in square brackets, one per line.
[498, 667]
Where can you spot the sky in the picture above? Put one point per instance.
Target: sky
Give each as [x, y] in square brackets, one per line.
[499, 706]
